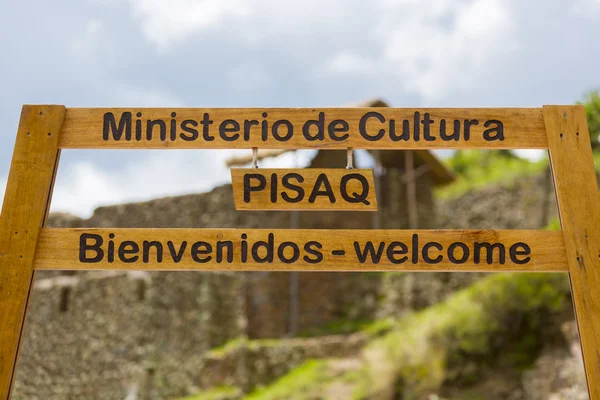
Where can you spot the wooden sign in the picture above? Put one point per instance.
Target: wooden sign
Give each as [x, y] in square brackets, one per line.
[278, 128]
[25, 246]
[300, 250]
[303, 189]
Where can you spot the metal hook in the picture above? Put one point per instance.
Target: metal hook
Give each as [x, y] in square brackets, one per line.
[349, 158]
[255, 157]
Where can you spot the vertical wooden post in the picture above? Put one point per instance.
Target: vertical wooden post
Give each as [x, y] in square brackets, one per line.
[25, 206]
[579, 209]
[411, 189]
[378, 172]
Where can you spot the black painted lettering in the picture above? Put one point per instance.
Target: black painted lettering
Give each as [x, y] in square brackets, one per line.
[319, 123]
[295, 252]
[227, 245]
[425, 253]
[336, 126]
[392, 252]
[455, 134]
[497, 130]
[138, 127]
[248, 188]
[173, 127]
[405, 130]
[452, 255]
[176, 255]
[273, 188]
[362, 126]
[110, 126]
[247, 125]
[193, 132]
[369, 251]
[84, 247]
[427, 121]
[285, 182]
[146, 251]
[327, 191]
[206, 123]
[415, 248]
[355, 198]
[312, 248]
[124, 251]
[110, 252]
[468, 124]
[520, 249]
[264, 134]
[289, 130]
[229, 126]
[201, 249]
[489, 249]
[269, 247]
[150, 124]
[244, 255]
[417, 126]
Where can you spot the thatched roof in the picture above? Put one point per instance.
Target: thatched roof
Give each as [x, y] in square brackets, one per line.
[441, 173]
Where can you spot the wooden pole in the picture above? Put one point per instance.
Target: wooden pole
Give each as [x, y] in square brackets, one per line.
[411, 190]
[546, 200]
[378, 172]
[294, 276]
[24, 211]
[579, 210]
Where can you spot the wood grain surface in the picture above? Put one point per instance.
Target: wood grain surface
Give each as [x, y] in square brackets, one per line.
[300, 189]
[24, 210]
[242, 128]
[64, 248]
[579, 209]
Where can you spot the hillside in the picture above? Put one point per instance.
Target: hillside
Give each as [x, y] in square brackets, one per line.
[456, 336]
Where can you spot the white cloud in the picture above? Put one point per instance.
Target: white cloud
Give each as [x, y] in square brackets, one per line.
[430, 51]
[586, 8]
[249, 76]
[83, 186]
[90, 48]
[531, 155]
[347, 62]
[127, 95]
[165, 22]
[435, 50]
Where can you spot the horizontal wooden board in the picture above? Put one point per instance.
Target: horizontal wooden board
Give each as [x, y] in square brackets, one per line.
[312, 189]
[300, 250]
[291, 128]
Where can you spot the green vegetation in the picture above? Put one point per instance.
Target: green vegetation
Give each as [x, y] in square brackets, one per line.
[218, 393]
[495, 322]
[299, 383]
[553, 225]
[344, 327]
[229, 346]
[476, 169]
[592, 113]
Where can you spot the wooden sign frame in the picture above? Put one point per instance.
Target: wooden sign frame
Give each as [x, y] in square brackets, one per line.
[25, 245]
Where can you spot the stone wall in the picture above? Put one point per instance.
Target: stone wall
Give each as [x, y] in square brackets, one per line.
[104, 335]
[518, 205]
[99, 335]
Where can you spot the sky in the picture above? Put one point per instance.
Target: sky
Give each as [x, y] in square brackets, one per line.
[274, 53]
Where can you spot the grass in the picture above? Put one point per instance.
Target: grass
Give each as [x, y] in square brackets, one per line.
[344, 327]
[496, 321]
[476, 169]
[218, 393]
[229, 346]
[296, 384]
